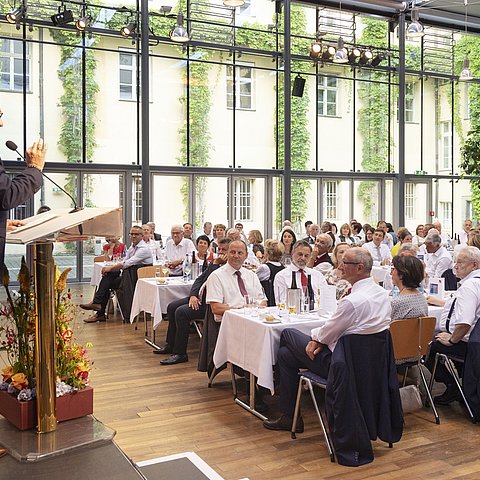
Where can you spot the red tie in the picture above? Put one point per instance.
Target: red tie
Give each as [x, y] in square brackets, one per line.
[303, 279]
[241, 285]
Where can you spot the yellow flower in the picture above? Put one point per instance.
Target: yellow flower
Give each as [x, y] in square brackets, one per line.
[7, 373]
[81, 371]
[19, 381]
[24, 278]
[62, 281]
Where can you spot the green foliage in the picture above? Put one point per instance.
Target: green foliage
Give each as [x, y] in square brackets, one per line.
[373, 118]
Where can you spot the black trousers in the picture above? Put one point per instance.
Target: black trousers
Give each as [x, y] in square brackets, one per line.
[180, 315]
[110, 281]
[291, 357]
[442, 374]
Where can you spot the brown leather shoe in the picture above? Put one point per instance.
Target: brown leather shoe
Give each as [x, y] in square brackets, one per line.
[95, 318]
[3, 451]
[91, 306]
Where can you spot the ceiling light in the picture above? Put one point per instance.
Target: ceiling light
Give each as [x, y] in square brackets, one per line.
[329, 52]
[82, 23]
[234, 3]
[341, 55]
[466, 74]
[128, 30]
[315, 50]
[415, 29]
[354, 55]
[16, 15]
[366, 56]
[377, 60]
[62, 17]
[179, 34]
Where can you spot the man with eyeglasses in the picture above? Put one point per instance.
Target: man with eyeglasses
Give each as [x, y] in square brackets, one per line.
[176, 250]
[365, 310]
[137, 255]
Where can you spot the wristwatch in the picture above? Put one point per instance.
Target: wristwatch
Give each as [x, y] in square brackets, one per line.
[450, 342]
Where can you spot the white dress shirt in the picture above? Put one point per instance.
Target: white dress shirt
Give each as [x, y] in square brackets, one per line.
[380, 253]
[467, 306]
[283, 281]
[438, 262]
[462, 237]
[263, 272]
[366, 310]
[222, 287]
[178, 252]
[137, 255]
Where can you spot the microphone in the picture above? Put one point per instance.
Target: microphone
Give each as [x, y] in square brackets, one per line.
[13, 146]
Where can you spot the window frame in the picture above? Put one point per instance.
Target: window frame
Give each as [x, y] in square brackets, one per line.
[238, 80]
[323, 90]
[243, 199]
[11, 55]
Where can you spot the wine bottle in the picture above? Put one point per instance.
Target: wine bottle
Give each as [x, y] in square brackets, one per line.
[294, 280]
[310, 293]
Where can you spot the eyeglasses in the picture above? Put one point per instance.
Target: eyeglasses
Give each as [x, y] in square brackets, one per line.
[135, 234]
[351, 263]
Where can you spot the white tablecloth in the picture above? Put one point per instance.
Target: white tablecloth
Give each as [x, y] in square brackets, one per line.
[97, 273]
[154, 299]
[251, 344]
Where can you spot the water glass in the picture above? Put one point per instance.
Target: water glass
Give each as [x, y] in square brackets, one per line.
[247, 305]
[158, 275]
[305, 304]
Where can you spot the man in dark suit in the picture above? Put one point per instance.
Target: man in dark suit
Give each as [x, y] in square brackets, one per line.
[182, 312]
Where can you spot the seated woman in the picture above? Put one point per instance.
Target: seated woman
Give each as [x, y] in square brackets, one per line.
[203, 244]
[407, 274]
[114, 247]
[288, 239]
[334, 276]
[404, 236]
[345, 235]
[266, 272]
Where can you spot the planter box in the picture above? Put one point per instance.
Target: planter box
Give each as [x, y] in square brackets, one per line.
[24, 414]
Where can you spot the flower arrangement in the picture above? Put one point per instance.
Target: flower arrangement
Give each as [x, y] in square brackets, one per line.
[17, 339]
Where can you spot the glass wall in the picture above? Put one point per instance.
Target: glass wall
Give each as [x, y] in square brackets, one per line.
[216, 117]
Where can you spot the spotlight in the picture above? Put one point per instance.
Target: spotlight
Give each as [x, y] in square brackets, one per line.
[128, 30]
[341, 55]
[16, 15]
[466, 74]
[179, 34]
[82, 23]
[234, 3]
[366, 56]
[354, 55]
[329, 52]
[315, 50]
[62, 17]
[377, 60]
[415, 29]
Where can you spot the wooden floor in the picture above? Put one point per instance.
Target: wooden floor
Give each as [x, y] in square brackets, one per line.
[159, 410]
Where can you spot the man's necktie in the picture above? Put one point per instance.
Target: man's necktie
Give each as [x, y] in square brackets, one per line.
[303, 278]
[241, 285]
[379, 255]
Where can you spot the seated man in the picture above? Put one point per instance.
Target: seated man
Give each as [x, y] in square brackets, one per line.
[137, 255]
[366, 310]
[176, 250]
[459, 316]
[234, 234]
[227, 286]
[439, 258]
[323, 245]
[377, 249]
[182, 312]
[301, 253]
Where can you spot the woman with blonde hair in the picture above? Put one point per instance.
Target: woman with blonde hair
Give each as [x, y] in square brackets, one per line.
[334, 276]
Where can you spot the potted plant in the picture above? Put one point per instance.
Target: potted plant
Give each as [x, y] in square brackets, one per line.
[17, 340]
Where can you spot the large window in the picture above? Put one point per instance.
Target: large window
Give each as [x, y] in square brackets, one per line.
[409, 102]
[409, 201]
[327, 96]
[446, 216]
[127, 75]
[330, 200]
[446, 139]
[242, 81]
[243, 196]
[11, 52]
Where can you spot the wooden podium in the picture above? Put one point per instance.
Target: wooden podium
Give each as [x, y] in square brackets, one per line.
[62, 225]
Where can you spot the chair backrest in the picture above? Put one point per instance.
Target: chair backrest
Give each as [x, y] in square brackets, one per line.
[146, 272]
[99, 258]
[411, 336]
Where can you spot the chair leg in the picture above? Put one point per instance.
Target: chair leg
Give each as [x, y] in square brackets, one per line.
[197, 328]
[297, 407]
[322, 423]
[429, 395]
[451, 369]
[432, 378]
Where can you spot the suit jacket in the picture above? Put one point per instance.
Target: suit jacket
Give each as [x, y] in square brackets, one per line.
[362, 399]
[13, 192]
[471, 372]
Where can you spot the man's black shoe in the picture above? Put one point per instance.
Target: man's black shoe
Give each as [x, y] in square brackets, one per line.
[284, 423]
[450, 395]
[260, 405]
[165, 349]
[174, 359]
